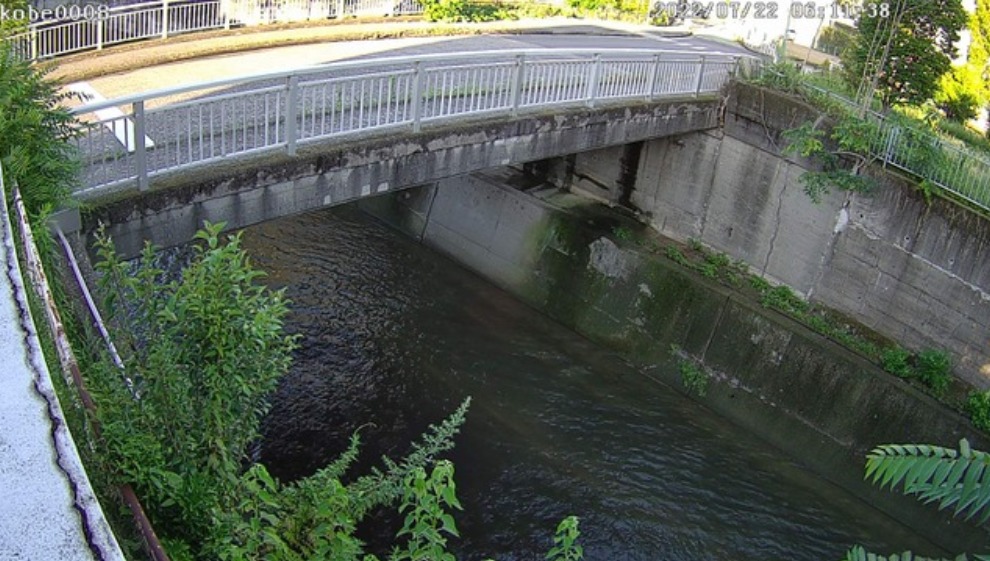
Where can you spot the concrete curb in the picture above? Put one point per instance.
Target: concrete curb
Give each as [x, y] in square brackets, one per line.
[50, 509]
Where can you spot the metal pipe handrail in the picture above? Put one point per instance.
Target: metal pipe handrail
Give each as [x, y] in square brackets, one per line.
[96, 28]
[893, 147]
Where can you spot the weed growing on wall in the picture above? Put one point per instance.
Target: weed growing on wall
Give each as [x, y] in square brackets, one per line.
[978, 407]
[931, 368]
[693, 377]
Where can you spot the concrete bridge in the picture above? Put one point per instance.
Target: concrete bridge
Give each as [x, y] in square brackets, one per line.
[251, 149]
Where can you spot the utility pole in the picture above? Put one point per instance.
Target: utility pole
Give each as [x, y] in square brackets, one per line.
[782, 49]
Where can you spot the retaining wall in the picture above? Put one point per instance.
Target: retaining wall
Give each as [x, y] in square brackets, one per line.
[820, 403]
[913, 271]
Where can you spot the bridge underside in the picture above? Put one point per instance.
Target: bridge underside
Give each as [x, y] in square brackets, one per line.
[246, 190]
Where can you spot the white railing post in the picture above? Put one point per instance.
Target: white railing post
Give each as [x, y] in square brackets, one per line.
[165, 19]
[517, 83]
[699, 77]
[225, 8]
[99, 33]
[596, 72]
[140, 148]
[340, 9]
[34, 43]
[291, 115]
[651, 91]
[417, 108]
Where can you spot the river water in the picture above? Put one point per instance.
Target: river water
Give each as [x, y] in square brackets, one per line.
[395, 336]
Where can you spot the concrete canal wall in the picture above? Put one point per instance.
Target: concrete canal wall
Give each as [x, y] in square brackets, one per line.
[558, 252]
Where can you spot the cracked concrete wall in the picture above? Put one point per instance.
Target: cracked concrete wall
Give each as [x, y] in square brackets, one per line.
[910, 270]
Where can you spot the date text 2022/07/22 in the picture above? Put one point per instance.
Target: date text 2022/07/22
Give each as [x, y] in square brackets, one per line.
[721, 9]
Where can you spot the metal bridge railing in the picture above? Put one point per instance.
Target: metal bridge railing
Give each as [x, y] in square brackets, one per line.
[962, 172]
[127, 141]
[87, 28]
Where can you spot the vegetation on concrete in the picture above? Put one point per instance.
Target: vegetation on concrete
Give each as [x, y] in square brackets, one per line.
[978, 407]
[202, 354]
[953, 479]
[693, 376]
[931, 369]
[843, 143]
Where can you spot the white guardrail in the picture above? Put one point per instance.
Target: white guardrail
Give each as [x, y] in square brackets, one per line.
[955, 169]
[127, 141]
[94, 26]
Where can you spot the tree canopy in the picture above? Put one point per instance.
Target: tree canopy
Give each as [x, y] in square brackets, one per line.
[902, 51]
[979, 47]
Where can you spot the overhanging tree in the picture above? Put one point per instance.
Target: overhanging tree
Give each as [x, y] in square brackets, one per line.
[903, 48]
[979, 47]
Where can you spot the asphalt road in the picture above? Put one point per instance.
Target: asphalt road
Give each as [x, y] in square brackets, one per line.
[281, 58]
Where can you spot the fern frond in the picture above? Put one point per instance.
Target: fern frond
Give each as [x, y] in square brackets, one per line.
[951, 478]
[858, 553]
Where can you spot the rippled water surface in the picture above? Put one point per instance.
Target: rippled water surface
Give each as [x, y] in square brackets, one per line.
[394, 337]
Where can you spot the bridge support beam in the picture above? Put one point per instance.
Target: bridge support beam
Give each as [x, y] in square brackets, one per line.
[247, 191]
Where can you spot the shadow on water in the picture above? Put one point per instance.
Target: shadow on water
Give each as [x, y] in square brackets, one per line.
[395, 336]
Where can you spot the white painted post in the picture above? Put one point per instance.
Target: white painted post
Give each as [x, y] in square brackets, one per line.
[140, 149]
[517, 82]
[596, 72]
[291, 114]
[417, 100]
[225, 7]
[651, 88]
[100, 23]
[165, 18]
[34, 44]
[340, 9]
[701, 75]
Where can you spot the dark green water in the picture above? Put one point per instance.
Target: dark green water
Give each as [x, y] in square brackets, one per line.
[395, 336]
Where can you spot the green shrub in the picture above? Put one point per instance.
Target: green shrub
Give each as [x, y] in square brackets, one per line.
[464, 11]
[978, 407]
[760, 284]
[897, 361]
[693, 377]
[202, 355]
[934, 370]
[34, 127]
[622, 233]
[676, 255]
[783, 298]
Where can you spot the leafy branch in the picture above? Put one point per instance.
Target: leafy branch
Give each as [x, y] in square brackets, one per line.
[850, 140]
[951, 478]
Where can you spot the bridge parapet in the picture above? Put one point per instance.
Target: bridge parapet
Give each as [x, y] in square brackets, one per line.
[129, 142]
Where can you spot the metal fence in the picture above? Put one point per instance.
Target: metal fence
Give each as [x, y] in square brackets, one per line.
[964, 173]
[94, 29]
[127, 141]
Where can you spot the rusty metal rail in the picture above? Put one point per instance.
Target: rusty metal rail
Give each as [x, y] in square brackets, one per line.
[70, 366]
